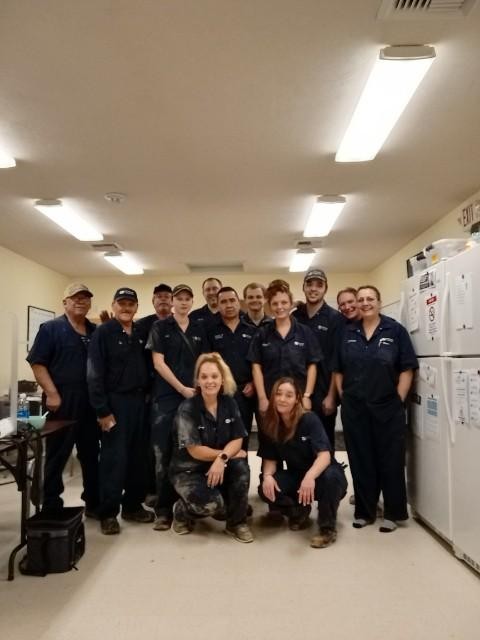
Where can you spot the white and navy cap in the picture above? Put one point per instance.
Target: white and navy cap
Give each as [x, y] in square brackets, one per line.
[125, 294]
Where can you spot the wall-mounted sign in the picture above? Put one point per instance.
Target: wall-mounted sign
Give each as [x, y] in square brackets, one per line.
[469, 215]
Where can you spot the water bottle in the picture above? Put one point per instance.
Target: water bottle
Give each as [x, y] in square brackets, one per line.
[22, 408]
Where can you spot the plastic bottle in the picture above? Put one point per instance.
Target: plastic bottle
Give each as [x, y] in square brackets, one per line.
[22, 408]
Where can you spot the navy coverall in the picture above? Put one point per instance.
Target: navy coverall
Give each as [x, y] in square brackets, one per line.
[289, 356]
[180, 351]
[233, 346]
[194, 425]
[324, 324]
[117, 378]
[63, 351]
[299, 453]
[373, 414]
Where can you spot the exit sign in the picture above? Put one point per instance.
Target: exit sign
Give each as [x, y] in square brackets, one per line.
[469, 215]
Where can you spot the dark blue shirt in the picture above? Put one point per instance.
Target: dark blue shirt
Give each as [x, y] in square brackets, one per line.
[233, 346]
[116, 364]
[265, 320]
[300, 452]
[204, 315]
[324, 324]
[63, 351]
[289, 356]
[371, 368]
[180, 351]
[194, 425]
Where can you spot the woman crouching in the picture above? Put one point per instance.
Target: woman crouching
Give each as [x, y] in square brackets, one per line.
[296, 437]
[209, 469]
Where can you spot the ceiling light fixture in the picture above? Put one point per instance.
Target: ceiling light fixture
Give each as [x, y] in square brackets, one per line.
[325, 212]
[69, 220]
[392, 82]
[302, 259]
[6, 161]
[122, 262]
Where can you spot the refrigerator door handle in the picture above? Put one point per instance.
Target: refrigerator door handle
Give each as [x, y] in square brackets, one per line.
[444, 303]
[445, 364]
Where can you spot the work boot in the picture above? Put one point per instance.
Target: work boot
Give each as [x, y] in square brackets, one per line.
[325, 537]
[241, 532]
[109, 526]
[299, 518]
[162, 523]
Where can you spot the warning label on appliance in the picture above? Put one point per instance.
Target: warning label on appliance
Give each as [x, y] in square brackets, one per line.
[432, 317]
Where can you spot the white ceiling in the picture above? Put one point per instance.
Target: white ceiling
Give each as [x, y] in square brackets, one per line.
[220, 119]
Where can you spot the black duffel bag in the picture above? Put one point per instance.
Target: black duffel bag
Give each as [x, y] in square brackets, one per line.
[55, 542]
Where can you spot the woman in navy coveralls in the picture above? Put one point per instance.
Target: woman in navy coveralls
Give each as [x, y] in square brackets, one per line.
[375, 361]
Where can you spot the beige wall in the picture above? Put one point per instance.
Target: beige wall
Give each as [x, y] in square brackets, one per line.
[104, 288]
[23, 283]
[389, 275]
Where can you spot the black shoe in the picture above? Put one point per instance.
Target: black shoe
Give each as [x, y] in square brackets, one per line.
[109, 526]
[140, 515]
[300, 518]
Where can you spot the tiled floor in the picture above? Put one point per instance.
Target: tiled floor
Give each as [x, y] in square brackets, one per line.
[369, 585]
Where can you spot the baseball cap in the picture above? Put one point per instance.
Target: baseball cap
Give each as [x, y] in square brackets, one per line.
[182, 287]
[162, 288]
[315, 274]
[74, 288]
[125, 294]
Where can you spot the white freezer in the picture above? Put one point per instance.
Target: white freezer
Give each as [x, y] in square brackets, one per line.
[428, 460]
[439, 307]
[465, 458]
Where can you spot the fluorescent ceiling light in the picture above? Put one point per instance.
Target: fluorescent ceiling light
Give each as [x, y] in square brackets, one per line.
[123, 263]
[68, 220]
[393, 80]
[302, 260]
[324, 213]
[6, 161]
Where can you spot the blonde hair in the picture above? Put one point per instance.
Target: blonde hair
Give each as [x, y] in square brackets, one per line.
[229, 385]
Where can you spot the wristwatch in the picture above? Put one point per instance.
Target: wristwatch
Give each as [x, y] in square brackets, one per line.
[223, 457]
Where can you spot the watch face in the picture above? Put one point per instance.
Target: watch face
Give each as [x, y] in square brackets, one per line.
[223, 456]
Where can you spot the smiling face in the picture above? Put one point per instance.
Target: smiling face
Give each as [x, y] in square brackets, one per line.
[124, 310]
[210, 289]
[77, 306]
[182, 303]
[280, 304]
[285, 399]
[347, 305]
[255, 300]
[209, 380]
[315, 290]
[368, 303]
[228, 305]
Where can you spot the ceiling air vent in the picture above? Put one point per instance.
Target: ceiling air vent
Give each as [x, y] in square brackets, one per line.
[424, 9]
[213, 269]
[106, 246]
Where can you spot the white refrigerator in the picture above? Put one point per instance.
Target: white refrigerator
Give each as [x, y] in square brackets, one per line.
[440, 307]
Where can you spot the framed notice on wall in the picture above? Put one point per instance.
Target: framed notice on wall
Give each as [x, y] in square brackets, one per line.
[36, 317]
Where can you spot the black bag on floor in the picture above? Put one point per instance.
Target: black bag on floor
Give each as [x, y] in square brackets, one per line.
[55, 542]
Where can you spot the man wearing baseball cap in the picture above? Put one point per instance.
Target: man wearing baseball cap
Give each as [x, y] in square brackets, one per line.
[58, 359]
[324, 321]
[175, 343]
[117, 377]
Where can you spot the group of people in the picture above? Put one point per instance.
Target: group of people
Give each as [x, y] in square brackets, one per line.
[165, 405]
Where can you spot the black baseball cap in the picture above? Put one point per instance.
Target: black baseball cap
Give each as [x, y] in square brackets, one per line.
[315, 274]
[125, 294]
[182, 287]
[162, 288]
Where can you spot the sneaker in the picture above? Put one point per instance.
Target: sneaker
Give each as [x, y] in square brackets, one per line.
[325, 537]
[241, 532]
[140, 515]
[300, 519]
[182, 527]
[162, 523]
[109, 526]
